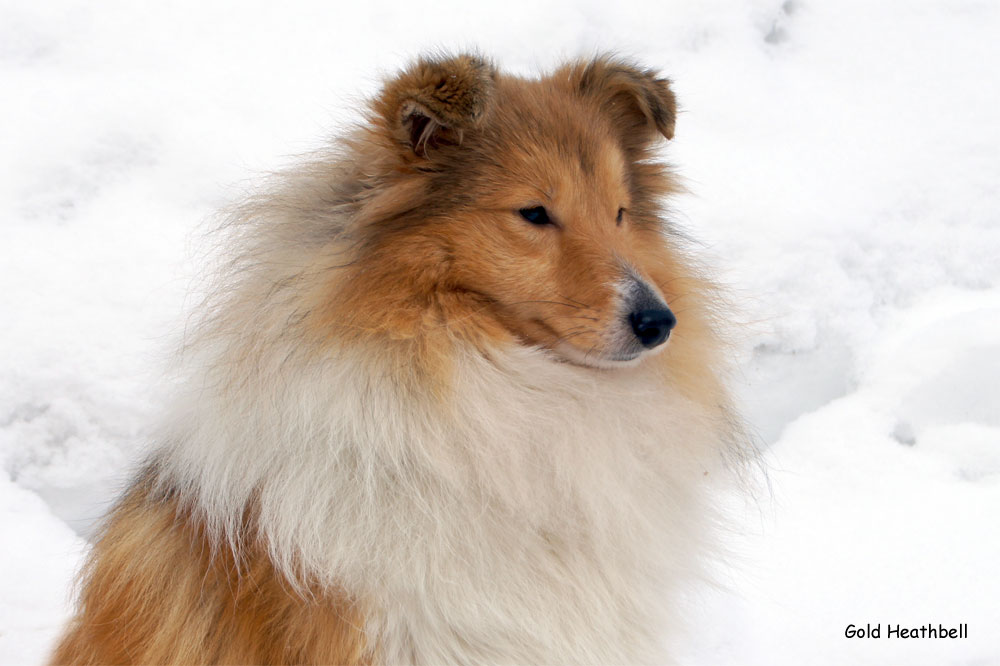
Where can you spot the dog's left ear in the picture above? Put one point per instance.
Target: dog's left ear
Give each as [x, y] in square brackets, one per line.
[639, 102]
[436, 100]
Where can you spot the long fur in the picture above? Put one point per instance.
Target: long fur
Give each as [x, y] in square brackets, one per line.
[366, 433]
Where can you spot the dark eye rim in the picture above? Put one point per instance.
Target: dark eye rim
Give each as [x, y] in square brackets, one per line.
[536, 215]
[620, 216]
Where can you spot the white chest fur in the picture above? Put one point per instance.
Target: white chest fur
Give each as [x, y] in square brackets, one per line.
[541, 513]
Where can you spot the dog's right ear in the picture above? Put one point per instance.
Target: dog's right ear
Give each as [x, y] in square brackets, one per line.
[434, 101]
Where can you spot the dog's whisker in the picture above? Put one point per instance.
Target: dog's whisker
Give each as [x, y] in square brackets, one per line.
[580, 303]
[568, 305]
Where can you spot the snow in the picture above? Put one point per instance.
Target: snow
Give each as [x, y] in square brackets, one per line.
[885, 504]
[842, 160]
[39, 557]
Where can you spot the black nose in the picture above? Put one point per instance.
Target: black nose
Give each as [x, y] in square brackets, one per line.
[652, 327]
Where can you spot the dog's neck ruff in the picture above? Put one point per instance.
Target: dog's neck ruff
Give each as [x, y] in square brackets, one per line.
[534, 498]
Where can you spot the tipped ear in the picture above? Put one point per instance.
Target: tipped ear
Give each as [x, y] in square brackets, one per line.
[639, 102]
[434, 101]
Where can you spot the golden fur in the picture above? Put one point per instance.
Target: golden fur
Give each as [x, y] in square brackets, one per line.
[415, 427]
[158, 592]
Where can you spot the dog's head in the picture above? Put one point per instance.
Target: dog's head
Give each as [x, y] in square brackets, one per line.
[532, 204]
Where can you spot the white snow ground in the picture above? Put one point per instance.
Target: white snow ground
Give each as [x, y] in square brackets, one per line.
[843, 158]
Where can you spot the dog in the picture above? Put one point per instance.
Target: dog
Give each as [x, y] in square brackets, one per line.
[459, 397]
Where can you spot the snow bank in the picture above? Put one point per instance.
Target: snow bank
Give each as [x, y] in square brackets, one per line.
[39, 557]
[884, 508]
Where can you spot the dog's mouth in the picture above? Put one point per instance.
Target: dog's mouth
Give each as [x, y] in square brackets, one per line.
[592, 359]
[611, 347]
[582, 346]
[596, 354]
[605, 357]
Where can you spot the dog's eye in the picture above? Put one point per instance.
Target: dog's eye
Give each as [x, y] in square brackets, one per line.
[621, 212]
[536, 215]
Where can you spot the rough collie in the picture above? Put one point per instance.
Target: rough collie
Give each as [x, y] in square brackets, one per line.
[458, 397]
